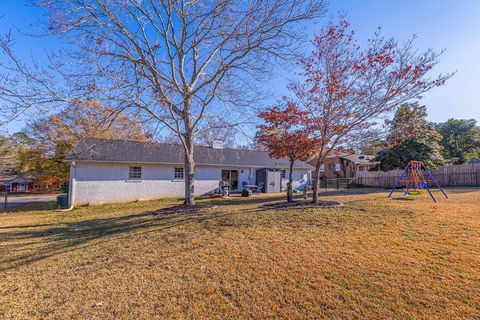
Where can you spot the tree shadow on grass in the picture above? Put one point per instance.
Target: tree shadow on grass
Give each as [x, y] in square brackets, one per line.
[353, 191]
[37, 242]
[21, 245]
[262, 199]
[239, 200]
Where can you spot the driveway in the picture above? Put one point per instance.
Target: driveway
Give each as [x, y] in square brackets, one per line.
[17, 201]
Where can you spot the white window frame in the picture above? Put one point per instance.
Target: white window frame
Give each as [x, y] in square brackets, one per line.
[283, 174]
[178, 173]
[337, 167]
[135, 173]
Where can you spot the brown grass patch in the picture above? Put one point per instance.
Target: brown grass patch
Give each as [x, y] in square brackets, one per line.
[374, 258]
[299, 205]
[183, 209]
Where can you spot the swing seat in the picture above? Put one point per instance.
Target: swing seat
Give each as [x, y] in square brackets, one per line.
[414, 192]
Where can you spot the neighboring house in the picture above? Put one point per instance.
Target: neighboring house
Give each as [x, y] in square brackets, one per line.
[15, 184]
[354, 164]
[109, 171]
[10, 180]
[345, 165]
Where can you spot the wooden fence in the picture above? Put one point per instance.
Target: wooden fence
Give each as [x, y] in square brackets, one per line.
[447, 176]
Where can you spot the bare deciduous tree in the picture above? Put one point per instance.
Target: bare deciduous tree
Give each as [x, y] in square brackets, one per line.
[164, 60]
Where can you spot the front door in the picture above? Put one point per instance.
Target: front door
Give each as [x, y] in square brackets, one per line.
[234, 179]
[231, 176]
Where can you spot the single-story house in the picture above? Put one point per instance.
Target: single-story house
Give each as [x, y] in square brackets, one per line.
[345, 165]
[12, 181]
[109, 171]
[15, 184]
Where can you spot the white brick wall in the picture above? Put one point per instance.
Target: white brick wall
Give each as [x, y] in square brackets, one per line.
[108, 183]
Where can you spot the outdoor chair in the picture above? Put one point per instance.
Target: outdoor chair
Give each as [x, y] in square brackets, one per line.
[259, 188]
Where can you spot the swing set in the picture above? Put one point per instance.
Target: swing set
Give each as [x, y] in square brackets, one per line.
[415, 175]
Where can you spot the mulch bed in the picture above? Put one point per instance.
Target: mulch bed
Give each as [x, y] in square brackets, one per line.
[182, 209]
[304, 204]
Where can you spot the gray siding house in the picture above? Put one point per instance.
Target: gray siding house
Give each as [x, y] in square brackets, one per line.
[110, 171]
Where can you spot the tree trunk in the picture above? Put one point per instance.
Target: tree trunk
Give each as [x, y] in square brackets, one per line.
[189, 165]
[189, 171]
[316, 181]
[290, 183]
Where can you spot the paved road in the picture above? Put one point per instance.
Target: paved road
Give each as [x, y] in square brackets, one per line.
[15, 201]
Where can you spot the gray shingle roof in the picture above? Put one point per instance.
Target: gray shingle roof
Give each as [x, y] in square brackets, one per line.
[356, 158]
[122, 151]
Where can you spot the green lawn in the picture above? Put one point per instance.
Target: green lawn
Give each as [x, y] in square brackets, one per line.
[401, 258]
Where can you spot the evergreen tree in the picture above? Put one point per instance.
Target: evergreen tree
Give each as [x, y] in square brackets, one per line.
[461, 140]
[411, 137]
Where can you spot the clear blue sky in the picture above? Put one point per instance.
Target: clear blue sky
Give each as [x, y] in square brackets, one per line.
[450, 24]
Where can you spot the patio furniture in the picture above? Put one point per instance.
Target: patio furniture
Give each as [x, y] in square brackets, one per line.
[224, 187]
[247, 192]
[252, 187]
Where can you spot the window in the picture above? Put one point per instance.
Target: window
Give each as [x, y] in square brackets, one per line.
[135, 173]
[178, 174]
[284, 174]
[337, 167]
[322, 168]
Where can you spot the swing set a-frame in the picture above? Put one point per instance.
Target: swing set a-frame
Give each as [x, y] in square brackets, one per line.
[417, 176]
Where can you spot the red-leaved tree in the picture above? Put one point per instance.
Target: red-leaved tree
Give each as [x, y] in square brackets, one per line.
[283, 135]
[346, 89]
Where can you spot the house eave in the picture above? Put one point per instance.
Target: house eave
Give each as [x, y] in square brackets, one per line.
[283, 166]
